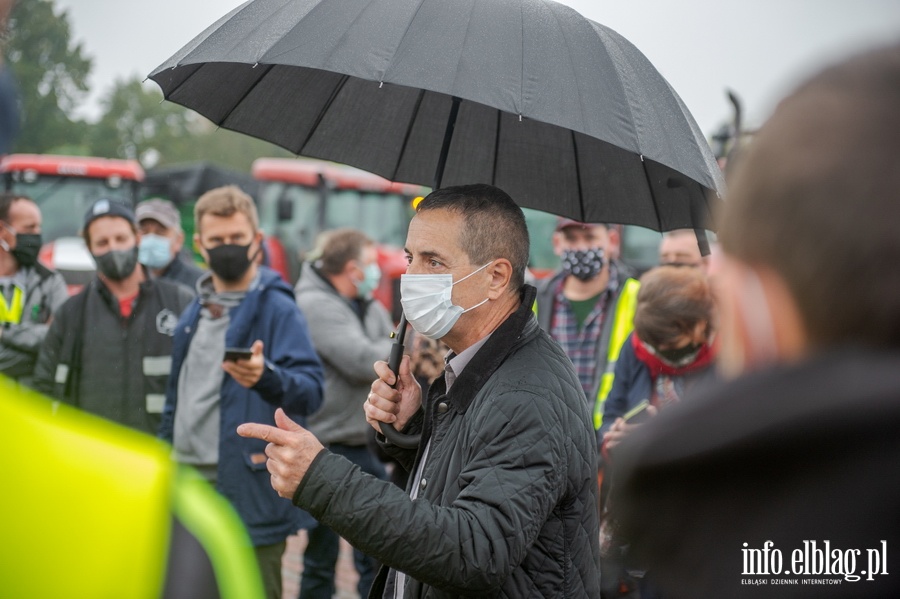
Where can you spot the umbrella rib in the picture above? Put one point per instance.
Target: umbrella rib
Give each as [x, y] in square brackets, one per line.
[659, 224]
[408, 134]
[496, 148]
[334, 93]
[249, 90]
[578, 176]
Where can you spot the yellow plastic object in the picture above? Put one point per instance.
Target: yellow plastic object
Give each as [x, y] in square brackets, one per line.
[85, 504]
[212, 520]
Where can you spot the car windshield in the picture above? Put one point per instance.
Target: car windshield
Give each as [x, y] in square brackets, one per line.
[63, 200]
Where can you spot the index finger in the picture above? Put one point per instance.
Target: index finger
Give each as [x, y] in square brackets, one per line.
[264, 432]
[384, 372]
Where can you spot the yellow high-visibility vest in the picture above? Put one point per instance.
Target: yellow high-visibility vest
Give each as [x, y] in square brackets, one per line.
[623, 324]
[12, 313]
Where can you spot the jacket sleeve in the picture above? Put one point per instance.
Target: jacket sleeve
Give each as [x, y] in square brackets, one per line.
[341, 341]
[293, 377]
[48, 358]
[512, 477]
[28, 335]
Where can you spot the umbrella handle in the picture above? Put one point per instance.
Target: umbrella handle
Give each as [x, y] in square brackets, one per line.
[390, 433]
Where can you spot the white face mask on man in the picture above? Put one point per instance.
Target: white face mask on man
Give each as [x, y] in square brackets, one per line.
[427, 304]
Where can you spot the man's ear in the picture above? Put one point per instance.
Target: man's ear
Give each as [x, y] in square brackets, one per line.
[179, 241]
[759, 320]
[200, 247]
[557, 242]
[501, 274]
[350, 267]
[615, 240]
[7, 238]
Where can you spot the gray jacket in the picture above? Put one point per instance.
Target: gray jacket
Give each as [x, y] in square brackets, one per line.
[348, 345]
[44, 292]
[507, 503]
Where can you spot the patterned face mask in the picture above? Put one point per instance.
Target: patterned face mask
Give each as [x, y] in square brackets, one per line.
[583, 264]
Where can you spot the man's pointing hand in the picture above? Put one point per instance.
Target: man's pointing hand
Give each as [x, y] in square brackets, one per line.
[290, 451]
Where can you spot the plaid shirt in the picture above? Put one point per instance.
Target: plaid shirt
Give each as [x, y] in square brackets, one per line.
[581, 346]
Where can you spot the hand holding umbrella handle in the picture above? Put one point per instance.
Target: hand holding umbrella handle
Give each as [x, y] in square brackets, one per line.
[390, 433]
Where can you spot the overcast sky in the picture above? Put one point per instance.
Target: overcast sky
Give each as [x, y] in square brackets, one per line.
[759, 48]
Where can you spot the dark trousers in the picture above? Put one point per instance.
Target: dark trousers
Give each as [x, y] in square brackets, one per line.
[269, 559]
[321, 552]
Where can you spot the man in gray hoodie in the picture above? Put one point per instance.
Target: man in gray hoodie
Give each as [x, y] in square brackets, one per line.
[350, 332]
[29, 292]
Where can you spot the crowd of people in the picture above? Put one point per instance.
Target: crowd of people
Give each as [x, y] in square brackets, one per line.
[604, 433]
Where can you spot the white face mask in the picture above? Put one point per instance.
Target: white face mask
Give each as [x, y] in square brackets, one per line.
[427, 304]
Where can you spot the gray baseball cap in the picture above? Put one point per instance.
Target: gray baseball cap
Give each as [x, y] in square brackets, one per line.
[162, 211]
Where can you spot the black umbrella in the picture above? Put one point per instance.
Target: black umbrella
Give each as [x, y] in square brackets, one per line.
[561, 112]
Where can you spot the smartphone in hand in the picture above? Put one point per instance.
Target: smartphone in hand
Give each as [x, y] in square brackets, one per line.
[233, 354]
[638, 413]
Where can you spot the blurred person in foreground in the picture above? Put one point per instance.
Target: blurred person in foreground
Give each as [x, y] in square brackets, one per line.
[162, 240]
[107, 513]
[350, 331]
[786, 475]
[503, 495]
[248, 307]
[30, 293]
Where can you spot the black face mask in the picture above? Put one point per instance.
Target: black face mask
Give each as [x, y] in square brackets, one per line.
[28, 246]
[584, 265]
[676, 356]
[117, 264]
[230, 261]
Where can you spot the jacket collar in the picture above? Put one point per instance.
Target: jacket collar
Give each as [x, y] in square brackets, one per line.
[519, 327]
[144, 287]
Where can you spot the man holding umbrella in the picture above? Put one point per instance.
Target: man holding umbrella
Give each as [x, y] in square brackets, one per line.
[503, 495]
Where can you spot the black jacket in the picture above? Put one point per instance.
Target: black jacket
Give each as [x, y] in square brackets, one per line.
[108, 365]
[507, 506]
[793, 455]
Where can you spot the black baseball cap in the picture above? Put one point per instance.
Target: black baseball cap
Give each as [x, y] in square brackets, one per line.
[106, 207]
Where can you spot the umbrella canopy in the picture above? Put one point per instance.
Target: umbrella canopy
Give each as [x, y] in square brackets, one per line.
[559, 111]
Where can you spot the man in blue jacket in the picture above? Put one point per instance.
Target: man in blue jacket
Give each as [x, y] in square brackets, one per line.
[211, 391]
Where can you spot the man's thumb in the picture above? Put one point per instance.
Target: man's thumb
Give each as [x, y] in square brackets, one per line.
[257, 347]
[285, 423]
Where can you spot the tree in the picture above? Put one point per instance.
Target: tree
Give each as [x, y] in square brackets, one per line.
[51, 72]
[137, 124]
